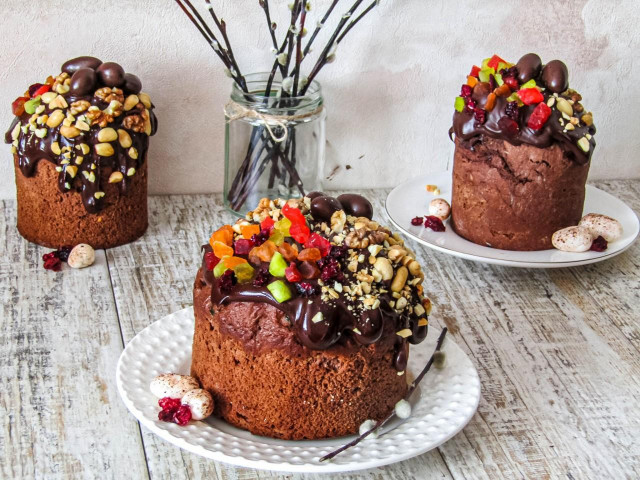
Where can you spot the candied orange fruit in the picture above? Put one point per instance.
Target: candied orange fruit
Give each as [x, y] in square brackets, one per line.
[249, 231]
[220, 249]
[223, 235]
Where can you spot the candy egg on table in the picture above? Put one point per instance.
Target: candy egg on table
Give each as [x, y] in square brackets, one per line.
[602, 226]
[572, 239]
[173, 385]
[440, 208]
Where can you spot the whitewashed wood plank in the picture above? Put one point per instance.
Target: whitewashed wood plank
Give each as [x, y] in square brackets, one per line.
[152, 278]
[59, 344]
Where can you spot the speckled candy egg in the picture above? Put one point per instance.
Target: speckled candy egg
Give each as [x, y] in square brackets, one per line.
[200, 402]
[572, 239]
[440, 208]
[602, 226]
[172, 385]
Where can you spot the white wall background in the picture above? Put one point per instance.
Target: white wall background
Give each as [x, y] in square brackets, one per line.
[389, 94]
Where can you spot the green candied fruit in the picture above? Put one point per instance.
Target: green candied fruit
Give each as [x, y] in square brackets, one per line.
[530, 84]
[219, 269]
[499, 80]
[459, 104]
[244, 272]
[485, 73]
[280, 291]
[283, 226]
[277, 237]
[278, 265]
[485, 63]
[31, 105]
[514, 97]
[502, 66]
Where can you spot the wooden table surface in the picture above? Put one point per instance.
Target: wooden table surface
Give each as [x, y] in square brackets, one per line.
[557, 352]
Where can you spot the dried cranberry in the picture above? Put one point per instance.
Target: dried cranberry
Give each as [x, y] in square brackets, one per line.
[227, 281]
[417, 221]
[52, 261]
[211, 260]
[262, 278]
[508, 126]
[480, 115]
[434, 223]
[539, 116]
[292, 273]
[509, 72]
[63, 253]
[338, 251]
[243, 246]
[512, 82]
[511, 110]
[470, 106]
[466, 91]
[599, 244]
[492, 82]
[166, 415]
[259, 238]
[331, 269]
[168, 403]
[182, 415]
[319, 242]
[306, 289]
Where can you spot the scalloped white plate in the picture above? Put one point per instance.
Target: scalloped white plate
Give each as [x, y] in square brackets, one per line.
[444, 403]
[410, 199]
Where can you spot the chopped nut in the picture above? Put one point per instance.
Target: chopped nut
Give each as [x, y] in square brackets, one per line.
[48, 96]
[400, 279]
[69, 132]
[419, 310]
[134, 123]
[383, 266]
[431, 188]
[41, 132]
[58, 102]
[108, 95]
[338, 219]
[115, 177]
[587, 119]
[55, 119]
[79, 106]
[104, 149]
[114, 109]
[404, 333]
[144, 98]
[124, 138]
[131, 172]
[318, 317]
[15, 133]
[564, 106]
[130, 102]
[401, 303]
[55, 148]
[72, 170]
[82, 125]
[107, 135]
[98, 195]
[133, 153]
[62, 88]
[423, 322]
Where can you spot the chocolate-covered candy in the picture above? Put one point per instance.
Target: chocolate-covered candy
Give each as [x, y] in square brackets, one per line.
[480, 93]
[313, 195]
[324, 206]
[555, 76]
[132, 83]
[110, 74]
[75, 64]
[528, 67]
[83, 81]
[356, 205]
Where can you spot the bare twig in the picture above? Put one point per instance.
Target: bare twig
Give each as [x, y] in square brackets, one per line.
[296, 74]
[410, 391]
[307, 48]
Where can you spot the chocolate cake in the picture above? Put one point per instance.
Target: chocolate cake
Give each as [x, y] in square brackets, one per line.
[523, 144]
[304, 312]
[80, 143]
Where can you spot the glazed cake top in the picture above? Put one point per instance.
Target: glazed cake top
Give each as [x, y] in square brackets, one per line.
[339, 276]
[91, 119]
[526, 102]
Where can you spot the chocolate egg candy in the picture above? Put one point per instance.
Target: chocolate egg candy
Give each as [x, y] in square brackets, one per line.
[132, 84]
[528, 67]
[555, 76]
[83, 81]
[75, 64]
[313, 195]
[480, 93]
[324, 206]
[110, 74]
[356, 205]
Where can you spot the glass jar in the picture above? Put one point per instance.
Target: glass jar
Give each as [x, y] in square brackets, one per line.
[274, 144]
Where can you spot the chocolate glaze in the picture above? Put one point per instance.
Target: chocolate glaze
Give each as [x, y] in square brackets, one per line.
[344, 322]
[31, 149]
[469, 131]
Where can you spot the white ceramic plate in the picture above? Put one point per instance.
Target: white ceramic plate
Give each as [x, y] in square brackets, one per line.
[442, 405]
[410, 199]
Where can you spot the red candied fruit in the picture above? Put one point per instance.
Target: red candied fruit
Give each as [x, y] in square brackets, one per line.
[33, 89]
[599, 244]
[480, 115]
[512, 82]
[243, 246]
[17, 107]
[417, 221]
[41, 90]
[294, 214]
[475, 70]
[494, 62]
[182, 415]
[466, 91]
[539, 116]
[434, 223]
[530, 96]
[300, 232]
[211, 260]
[319, 242]
[267, 224]
[292, 273]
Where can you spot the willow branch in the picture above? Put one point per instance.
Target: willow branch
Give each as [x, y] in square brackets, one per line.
[296, 75]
